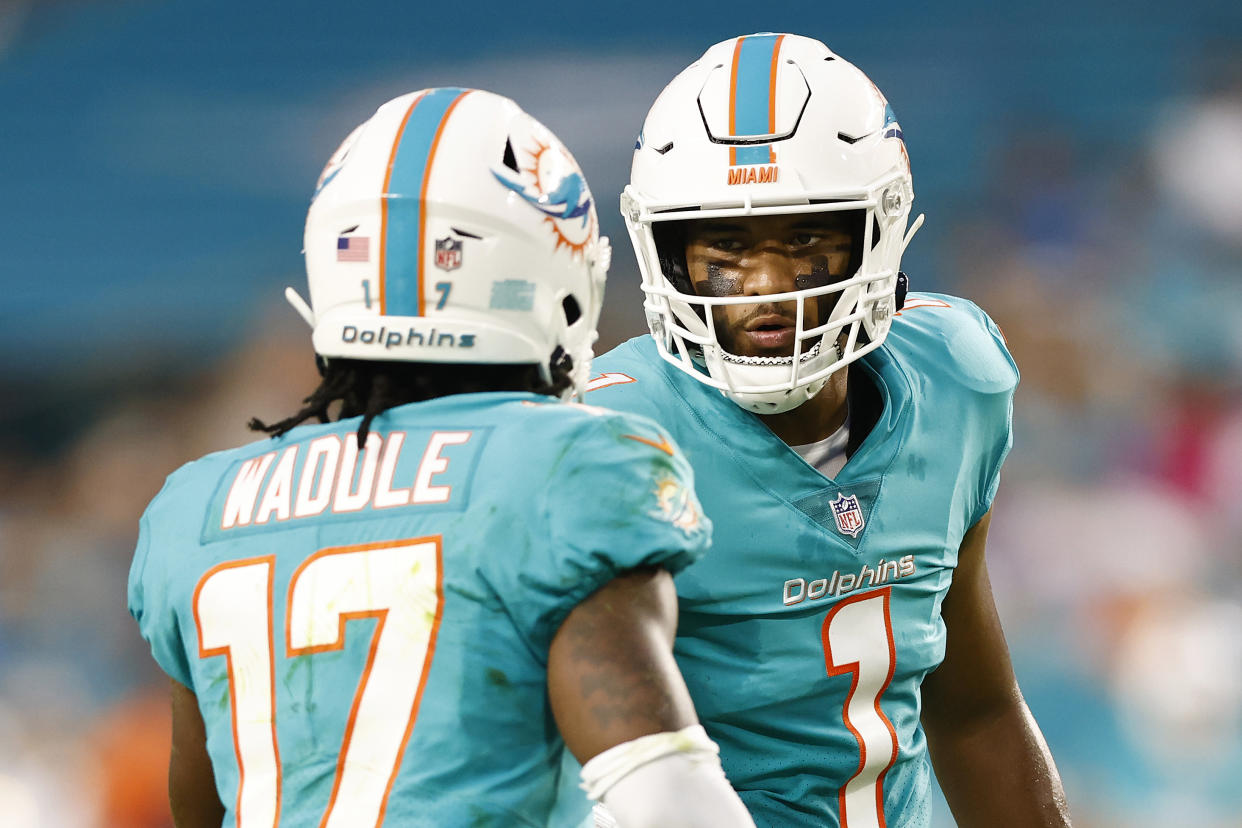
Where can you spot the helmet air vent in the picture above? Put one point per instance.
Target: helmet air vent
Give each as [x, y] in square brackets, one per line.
[572, 311]
[749, 104]
[510, 159]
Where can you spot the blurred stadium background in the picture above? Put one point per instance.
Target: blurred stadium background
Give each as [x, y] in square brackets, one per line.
[1081, 169]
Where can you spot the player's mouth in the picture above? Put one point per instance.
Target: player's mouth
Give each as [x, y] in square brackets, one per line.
[770, 332]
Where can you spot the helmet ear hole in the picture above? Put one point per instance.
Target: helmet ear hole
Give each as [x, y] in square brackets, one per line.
[573, 312]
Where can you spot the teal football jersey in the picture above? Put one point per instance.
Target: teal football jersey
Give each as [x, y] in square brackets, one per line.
[367, 631]
[805, 636]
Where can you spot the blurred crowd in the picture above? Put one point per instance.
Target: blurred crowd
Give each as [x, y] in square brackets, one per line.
[83, 708]
[1116, 550]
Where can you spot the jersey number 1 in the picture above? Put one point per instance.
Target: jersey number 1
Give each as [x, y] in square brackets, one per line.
[858, 639]
[396, 582]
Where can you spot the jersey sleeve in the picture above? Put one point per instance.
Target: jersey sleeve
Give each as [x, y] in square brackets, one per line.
[149, 601]
[956, 358]
[1001, 410]
[624, 380]
[991, 377]
[622, 497]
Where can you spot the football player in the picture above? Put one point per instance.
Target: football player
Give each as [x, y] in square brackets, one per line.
[847, 439]
[393, 614]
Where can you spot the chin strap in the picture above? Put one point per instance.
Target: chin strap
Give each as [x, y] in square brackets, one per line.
[903, 281]
[903, 287]
[300, 305]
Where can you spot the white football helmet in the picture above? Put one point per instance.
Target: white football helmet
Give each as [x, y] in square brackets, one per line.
[770, 124]
[453, 227]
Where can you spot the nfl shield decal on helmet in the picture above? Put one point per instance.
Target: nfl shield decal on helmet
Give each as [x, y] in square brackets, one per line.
[848, 515]
[448, 253]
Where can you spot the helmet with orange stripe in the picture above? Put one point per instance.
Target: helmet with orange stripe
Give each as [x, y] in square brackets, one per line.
[452, 227]
[770, 133]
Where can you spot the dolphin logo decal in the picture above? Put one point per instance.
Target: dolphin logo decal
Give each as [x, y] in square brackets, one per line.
[568, 199]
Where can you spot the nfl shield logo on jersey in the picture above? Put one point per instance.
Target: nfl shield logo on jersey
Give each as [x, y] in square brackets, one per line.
[448, 253]
[848, 515]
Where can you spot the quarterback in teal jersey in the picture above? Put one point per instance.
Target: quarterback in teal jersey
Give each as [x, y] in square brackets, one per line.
[393, 616]
[847, 441]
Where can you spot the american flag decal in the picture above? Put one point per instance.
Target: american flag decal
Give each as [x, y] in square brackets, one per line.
[353, 249]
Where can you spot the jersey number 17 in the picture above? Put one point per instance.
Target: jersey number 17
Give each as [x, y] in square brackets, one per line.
[396, 582]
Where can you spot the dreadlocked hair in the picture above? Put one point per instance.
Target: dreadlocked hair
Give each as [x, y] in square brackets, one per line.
[369, 388]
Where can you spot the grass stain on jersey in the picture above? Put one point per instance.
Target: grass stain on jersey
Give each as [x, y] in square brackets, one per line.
[481, 818]
[221, 684]
[304, 687]
[469, 595]
[497, 678]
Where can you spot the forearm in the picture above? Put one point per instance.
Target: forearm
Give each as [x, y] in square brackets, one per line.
[990, 758]
[191, 780]
[624, 711]
[996, 769]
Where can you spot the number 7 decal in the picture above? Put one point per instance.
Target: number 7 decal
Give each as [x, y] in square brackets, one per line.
[400, 584]
[858, 639]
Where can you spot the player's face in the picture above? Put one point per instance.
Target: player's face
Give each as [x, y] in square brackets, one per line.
[762, 255]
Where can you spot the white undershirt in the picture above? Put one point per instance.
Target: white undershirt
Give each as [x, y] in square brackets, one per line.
[828, 455]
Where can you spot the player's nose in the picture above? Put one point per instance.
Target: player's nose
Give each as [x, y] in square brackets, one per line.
[772, 271]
